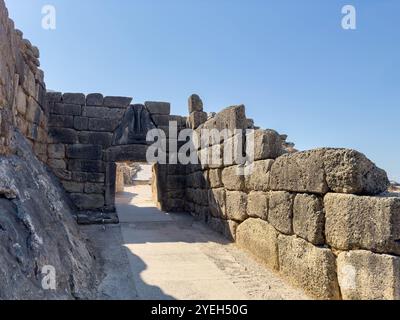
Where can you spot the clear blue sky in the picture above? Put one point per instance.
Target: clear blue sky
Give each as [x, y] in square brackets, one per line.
[288, 61]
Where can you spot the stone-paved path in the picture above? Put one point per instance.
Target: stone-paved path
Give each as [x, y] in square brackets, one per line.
[171, 256]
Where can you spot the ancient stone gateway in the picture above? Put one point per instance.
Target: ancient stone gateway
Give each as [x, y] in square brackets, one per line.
[322, 219]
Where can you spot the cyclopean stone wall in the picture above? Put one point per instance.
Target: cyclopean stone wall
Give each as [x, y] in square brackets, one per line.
[22, 89]
[89, 134]
[320, 218]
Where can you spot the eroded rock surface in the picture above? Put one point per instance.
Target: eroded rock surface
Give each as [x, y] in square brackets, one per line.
[37, 229]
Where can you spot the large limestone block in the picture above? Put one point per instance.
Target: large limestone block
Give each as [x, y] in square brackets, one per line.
[280, 212]
[268, 144]
[236, 203]
[309, 267]
[258, 177]
[309, 218]
[261, 239]
[233, 179]
[321, 170]
[355, 222]
[257, 205]
[299, 172]
[364, 275]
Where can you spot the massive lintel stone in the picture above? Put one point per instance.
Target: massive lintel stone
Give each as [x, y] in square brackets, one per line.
[355, 222]
[311, 268]
[322, 170]
[261, 239]
[364, 275]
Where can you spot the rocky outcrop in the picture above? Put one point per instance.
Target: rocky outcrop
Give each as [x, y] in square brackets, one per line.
[37, 229]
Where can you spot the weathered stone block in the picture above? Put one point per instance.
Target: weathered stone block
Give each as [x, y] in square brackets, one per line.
[63, 135]
[73, 187]
[94, 99]
[349, 171]
[117, 102]
[261, 239]
[94, 188]
[309, 218]
[280, 213]
[60, 121]
[215, 178]
[321, 170]
[299, 172]
[82, 151]
[81, 123]
[62, 174]
[309, 267]
[54, 96]
[231, 118]
[21, 101]
[176, 182]
[258, 179]
[56, 151]
[88, 177]
[100, 138]
[87, 201]
[161, 120]
[217, 202]
[267, 144]
[127, 153]
[364, 275]
[66, 109]
[74, 98]
[236, 203]
[195, 104]
[92, 166]
[33, 112]
[57, 164]
[257, 205]
[196, 119]
[103, 112]
[355, 222]
[103, 125]
[232, 179]
[163, 108]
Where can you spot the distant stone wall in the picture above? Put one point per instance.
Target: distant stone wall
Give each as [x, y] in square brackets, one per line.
[320, 218]
[89, 134]
[22, 89]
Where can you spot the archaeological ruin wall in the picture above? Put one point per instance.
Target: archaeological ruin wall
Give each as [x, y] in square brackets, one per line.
[22, 89]
[320, 218]
[89, 134]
